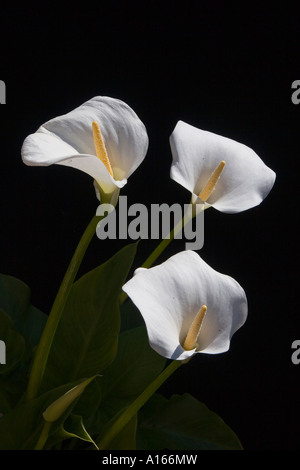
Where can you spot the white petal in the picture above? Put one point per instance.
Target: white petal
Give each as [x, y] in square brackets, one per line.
[96, 169]
[245, 180]
[44, 149]
[68, 140]
[170, 295]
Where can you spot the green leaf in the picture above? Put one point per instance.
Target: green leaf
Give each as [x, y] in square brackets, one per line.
[86, 339]
[71, 434]
[57, 408]
[15, 302]
[14, 344]
[21, 325]
[74, 428]
[183, 423]
[130, 316]
[134, 368]
[21, 428]
[13, 368]
[90, 401]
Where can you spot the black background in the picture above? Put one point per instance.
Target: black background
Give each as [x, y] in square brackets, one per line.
[215, 65]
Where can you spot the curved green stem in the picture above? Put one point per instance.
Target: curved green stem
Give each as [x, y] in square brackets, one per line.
[136, 405]
[42, 353]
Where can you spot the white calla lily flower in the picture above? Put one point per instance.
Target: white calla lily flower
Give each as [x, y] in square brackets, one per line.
[187, 306]
[217, 170]
[103, 138]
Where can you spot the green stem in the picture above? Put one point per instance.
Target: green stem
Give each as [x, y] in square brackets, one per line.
[192, 211]
[164, 243]
[136, 405]
[43, 436]
[42, 353]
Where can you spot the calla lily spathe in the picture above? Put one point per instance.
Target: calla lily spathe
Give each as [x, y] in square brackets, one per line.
[242, 180]
[182, 293]
[71, 140]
